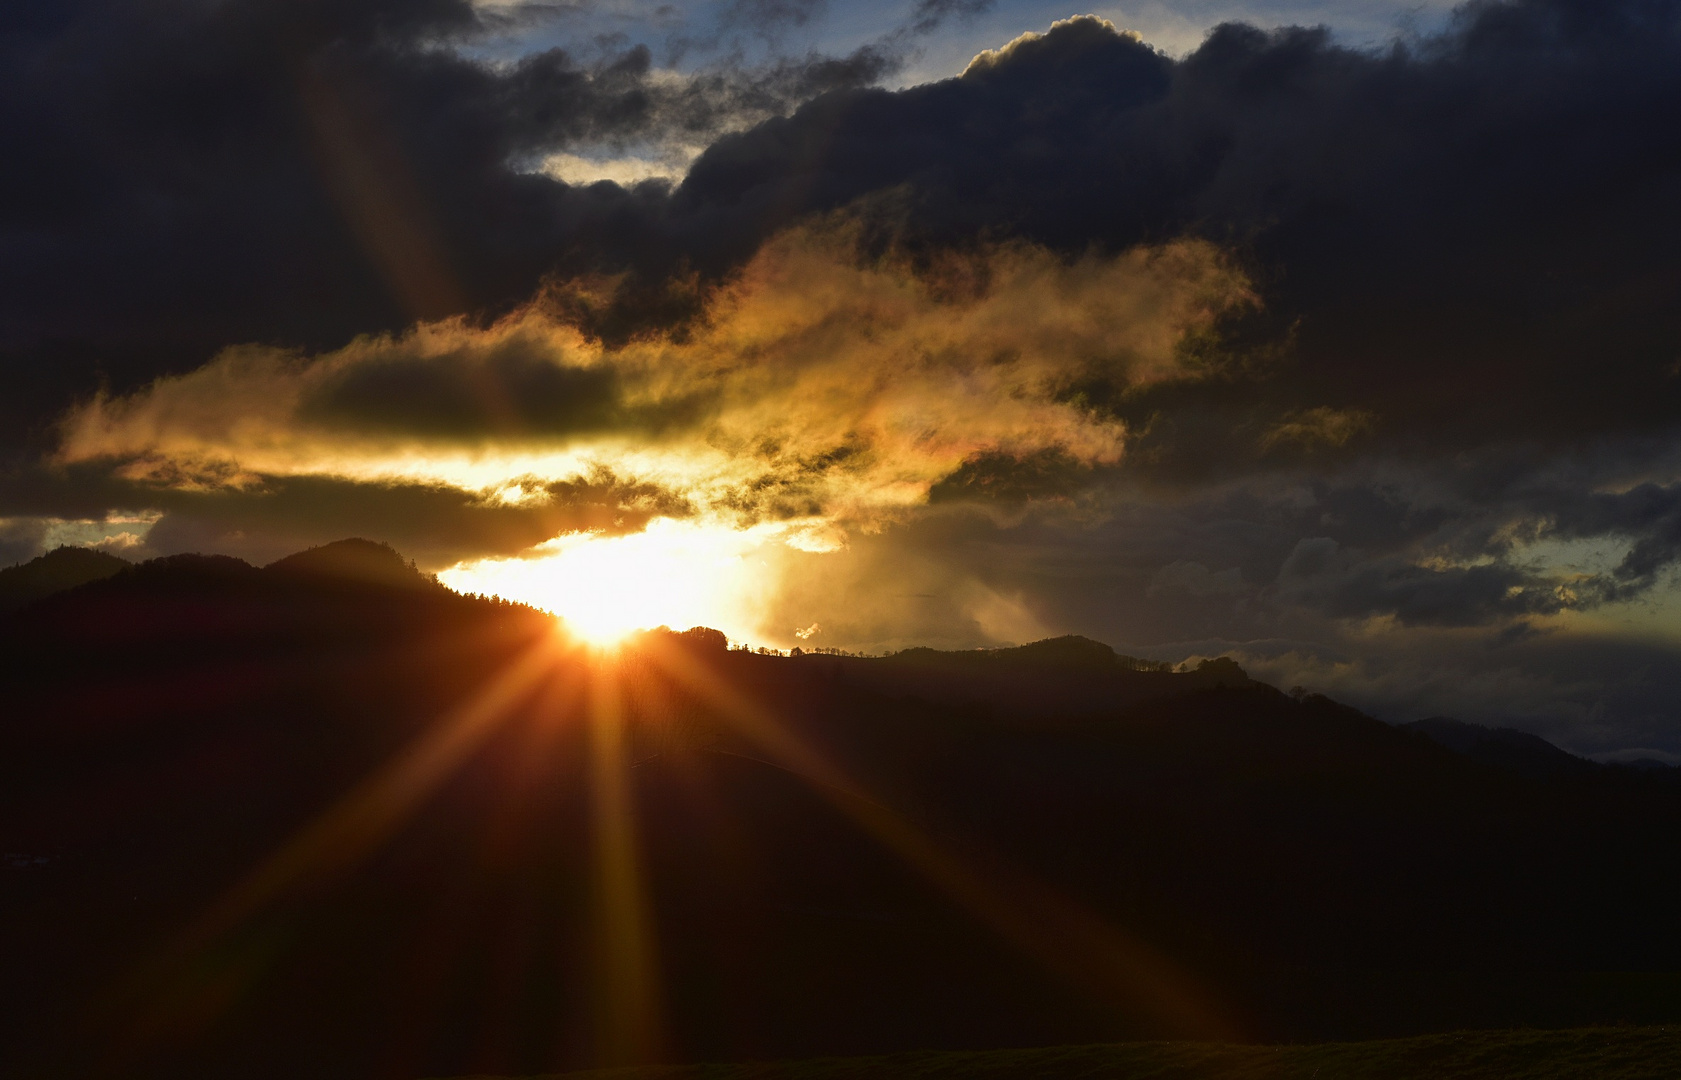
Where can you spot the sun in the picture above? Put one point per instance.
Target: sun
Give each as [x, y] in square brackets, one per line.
[674, 573]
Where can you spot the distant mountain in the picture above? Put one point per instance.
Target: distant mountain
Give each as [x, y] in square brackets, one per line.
[1651, 765]
[1504, 748]
[1065, 676]
[57, 570]
[327, 818]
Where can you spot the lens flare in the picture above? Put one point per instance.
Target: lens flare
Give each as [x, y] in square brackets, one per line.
[674, 573]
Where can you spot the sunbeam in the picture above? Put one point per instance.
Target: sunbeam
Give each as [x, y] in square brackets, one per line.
[187, 984]
[1063, 935]
[627, 1022]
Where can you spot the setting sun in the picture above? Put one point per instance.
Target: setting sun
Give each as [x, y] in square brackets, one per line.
[672, 574]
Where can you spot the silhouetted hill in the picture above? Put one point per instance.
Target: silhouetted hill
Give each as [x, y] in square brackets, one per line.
[354, 560]
[1066, 676]
[1503, 748]
[303, 820]
[57, 570]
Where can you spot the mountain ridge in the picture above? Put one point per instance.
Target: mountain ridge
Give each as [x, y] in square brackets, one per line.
[1502, 747]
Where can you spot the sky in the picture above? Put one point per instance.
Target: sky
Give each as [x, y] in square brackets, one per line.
[1340, 338]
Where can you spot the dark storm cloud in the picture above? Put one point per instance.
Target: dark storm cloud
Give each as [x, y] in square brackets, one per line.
[433, 523]
[1321, 575]
[1007, 479]
[21, 540]
[184, 176]
[1489, 540]
[1465, 235]
[1475, 544]
[1469, 234]
[509, 391]
[1647, 516]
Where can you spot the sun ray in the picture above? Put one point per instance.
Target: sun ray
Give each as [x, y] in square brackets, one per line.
[1060, 933]
[628, 1024]
[196, 976]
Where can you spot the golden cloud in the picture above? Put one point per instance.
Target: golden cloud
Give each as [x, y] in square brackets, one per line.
[992, 58]
[817, 386]
[1322, 426]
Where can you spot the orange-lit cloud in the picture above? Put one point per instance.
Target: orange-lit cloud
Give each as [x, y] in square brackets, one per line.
[1321, 426]
[817, 388]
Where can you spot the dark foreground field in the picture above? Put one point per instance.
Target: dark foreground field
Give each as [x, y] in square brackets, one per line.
[1620, 1053]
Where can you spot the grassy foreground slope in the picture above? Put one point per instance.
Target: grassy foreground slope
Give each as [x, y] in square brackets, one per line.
[1614, 1053]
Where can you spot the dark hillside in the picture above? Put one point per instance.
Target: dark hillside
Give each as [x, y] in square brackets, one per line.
[57, 570]
[1504, 748]
[1063, 677]
[327, 818]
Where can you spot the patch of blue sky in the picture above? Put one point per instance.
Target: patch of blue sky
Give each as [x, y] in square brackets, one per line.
[692, 37]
